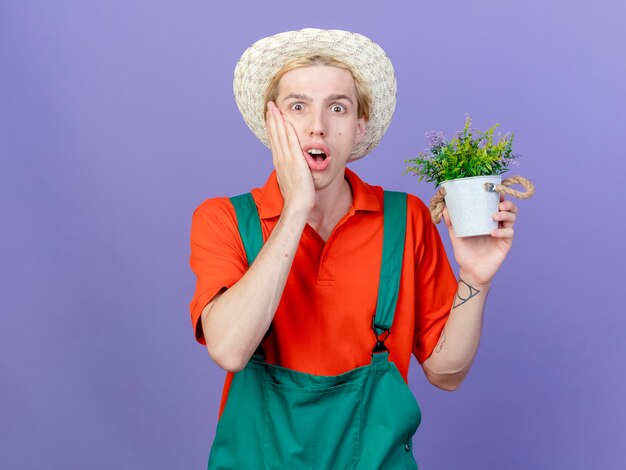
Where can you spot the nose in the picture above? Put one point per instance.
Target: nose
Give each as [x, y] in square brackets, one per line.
[317, 124]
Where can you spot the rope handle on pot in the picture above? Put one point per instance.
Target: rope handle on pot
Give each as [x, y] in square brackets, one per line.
[437, 203]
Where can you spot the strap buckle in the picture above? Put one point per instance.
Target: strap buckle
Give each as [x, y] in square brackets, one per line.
[380, 339]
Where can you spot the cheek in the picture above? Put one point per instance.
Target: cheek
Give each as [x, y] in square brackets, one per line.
[299, 132]
[297, 125]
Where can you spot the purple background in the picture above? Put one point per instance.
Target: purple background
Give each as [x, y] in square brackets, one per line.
[117, 119]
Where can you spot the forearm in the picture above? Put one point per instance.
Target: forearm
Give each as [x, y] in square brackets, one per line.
[455, 351]
[234, 324]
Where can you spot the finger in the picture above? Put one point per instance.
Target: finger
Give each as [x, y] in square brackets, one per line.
[279, 136]
[448, 222]
[508, 205]
[503, 233]
[269, 115]
[506, 219]
[292, 137]
[446, 217]
[268, 128]
[281, 132]
[272, 135]
[269, 120]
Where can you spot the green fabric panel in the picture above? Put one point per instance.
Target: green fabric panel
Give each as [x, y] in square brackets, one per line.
[277, 418]
[394, 231]
[365, 418]
[249, 225]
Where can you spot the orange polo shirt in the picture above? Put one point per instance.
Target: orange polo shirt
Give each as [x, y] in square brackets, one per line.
[322, 325]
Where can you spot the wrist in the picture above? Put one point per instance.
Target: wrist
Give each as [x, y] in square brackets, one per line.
[295, 213]
[473, 280]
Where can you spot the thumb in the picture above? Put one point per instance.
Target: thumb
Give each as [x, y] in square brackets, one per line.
[446, 217]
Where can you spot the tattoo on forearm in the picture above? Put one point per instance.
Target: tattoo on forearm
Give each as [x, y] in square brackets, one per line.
[464, 293]
[442, 340]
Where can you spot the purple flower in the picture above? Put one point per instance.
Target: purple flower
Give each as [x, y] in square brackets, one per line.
[514, 160]
[435, 138]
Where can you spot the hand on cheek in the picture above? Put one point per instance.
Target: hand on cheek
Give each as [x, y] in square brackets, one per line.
[292, 171]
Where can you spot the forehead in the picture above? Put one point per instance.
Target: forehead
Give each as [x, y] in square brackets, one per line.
[317, 80]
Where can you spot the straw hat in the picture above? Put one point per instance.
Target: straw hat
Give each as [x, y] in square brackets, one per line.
[261, 61]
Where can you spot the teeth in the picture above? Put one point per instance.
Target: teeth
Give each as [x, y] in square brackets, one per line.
[315, 151]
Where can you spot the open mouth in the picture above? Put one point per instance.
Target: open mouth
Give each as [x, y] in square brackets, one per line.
[317, 154]
[317, 157]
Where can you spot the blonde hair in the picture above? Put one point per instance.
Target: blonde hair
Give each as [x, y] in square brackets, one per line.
[363, 97]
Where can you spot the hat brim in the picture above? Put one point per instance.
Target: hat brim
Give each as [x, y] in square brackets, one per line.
[261, 61]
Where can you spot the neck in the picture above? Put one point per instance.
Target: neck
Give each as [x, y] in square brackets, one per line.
[331, 204]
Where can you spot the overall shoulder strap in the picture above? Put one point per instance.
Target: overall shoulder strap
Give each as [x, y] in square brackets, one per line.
[394, 231]
[249, 225]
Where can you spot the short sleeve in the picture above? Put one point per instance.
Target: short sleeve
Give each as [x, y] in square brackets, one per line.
[217, 255]
[435, 286]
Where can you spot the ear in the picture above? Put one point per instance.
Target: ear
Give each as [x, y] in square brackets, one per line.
[360, 130]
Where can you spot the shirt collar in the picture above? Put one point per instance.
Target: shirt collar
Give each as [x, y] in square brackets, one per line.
[270, 200]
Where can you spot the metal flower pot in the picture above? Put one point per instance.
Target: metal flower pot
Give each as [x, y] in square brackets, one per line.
[471, 206]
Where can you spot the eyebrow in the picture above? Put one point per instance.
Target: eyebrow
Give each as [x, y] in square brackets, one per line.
[339, 97]
[298, 96]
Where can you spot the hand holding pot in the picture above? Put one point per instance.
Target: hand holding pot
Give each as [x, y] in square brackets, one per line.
[480, 257]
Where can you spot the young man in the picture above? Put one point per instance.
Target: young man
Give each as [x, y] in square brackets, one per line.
[315, 305]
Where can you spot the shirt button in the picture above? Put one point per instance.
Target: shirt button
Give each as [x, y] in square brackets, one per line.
[407, 447]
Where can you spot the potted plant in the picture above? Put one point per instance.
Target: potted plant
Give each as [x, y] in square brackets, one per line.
[468, 169]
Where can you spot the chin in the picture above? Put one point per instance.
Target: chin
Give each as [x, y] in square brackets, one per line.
[318, 185]
[320, 181]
